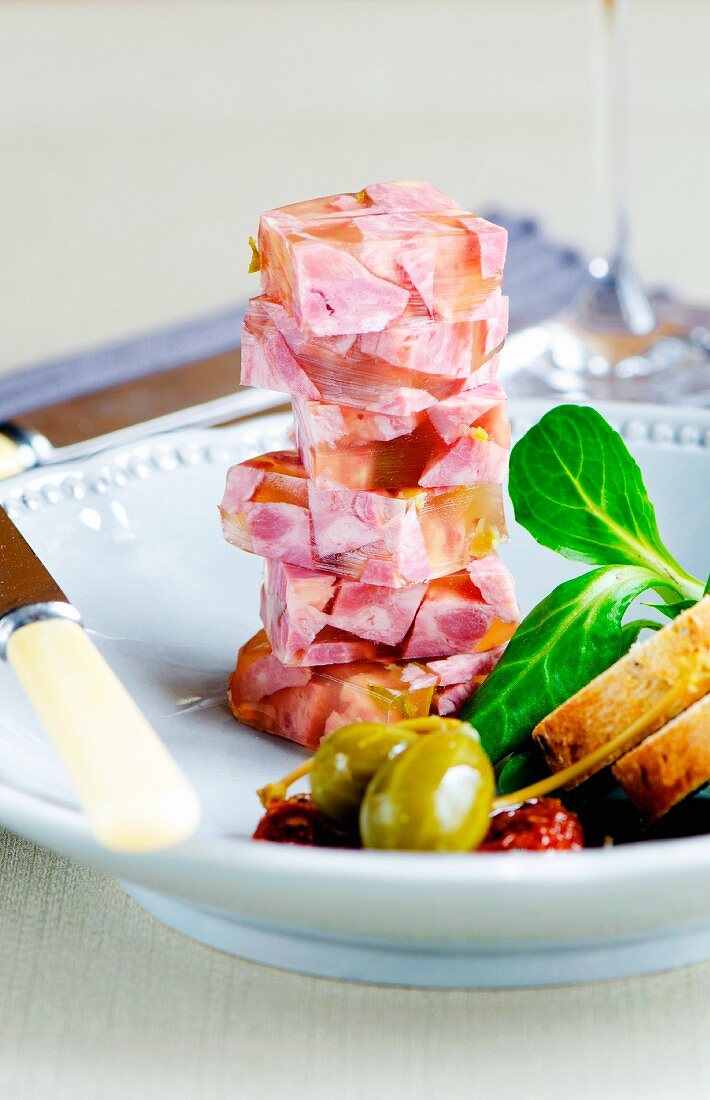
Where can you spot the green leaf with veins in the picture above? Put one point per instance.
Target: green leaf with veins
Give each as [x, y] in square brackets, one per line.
[569, 638]
[577, 490]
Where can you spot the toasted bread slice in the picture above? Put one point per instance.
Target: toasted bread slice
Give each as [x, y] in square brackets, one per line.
[628, 690]
[670, 764]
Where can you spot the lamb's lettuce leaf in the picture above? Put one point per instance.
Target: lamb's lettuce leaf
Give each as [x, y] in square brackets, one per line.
[577, 489]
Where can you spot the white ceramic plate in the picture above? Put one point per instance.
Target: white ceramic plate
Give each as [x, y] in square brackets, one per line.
[133, 538]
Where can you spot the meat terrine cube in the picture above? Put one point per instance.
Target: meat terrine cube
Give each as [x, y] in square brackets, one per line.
[270, 508]
[409, 366]
[461, 441]
[316, 618]
[303, 704]
[355, 263]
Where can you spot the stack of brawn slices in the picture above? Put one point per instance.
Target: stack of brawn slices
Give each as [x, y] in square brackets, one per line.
[660, 690]
[383, 598]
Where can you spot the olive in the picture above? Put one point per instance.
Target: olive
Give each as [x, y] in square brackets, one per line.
[345, 762]
[436, 796]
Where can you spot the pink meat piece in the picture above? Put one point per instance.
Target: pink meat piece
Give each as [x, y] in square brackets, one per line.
[281, 531]
[341, 652]
[497, 328]
[371, 611]
[270, 675]
[467, 461]
[380, 572]
[334, 293]
[453, 416]
[387, 428]
[268, 362]
[288, 639]
[401, 401]
[344, 202]
[327, 424]
[428, 347]
[450, 620]
[377, 251]
[450, 698]
[492, 244]
[495, 583]
[460, 668]
[241, 486]
[418, 261]
[409, 548]
[419, 676]
[293, 603]
[349, 521]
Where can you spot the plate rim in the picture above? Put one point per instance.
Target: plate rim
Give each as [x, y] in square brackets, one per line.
[684, 427]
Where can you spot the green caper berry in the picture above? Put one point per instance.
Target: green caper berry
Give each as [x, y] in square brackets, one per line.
[436, 796]
[345, 762]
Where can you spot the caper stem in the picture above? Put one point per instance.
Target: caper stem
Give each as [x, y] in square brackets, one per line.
[614, 746]
[432, 724]
[275, 792]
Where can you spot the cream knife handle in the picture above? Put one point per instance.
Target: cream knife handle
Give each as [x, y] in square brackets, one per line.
[12, 456]
[134, 795]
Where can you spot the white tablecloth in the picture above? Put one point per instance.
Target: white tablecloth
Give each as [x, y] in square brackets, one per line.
[99, 1002]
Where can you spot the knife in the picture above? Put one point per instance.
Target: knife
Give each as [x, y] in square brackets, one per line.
[23, 448]
[132, 791]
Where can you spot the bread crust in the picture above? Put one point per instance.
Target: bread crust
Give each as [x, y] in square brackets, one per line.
[670, 764]
[629, 689]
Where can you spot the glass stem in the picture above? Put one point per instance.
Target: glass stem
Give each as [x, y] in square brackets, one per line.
[614, 124]
[619, 289]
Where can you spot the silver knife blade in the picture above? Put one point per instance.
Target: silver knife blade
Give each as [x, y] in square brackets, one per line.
[24, 580]
[36, 450]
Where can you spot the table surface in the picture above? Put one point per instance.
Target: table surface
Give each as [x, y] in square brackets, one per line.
[99, 1000]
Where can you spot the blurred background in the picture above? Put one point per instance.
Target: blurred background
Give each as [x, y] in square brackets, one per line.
[141, 140]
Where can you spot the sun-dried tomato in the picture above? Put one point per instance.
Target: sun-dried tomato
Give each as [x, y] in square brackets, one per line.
[540, 825]
[298, 820]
